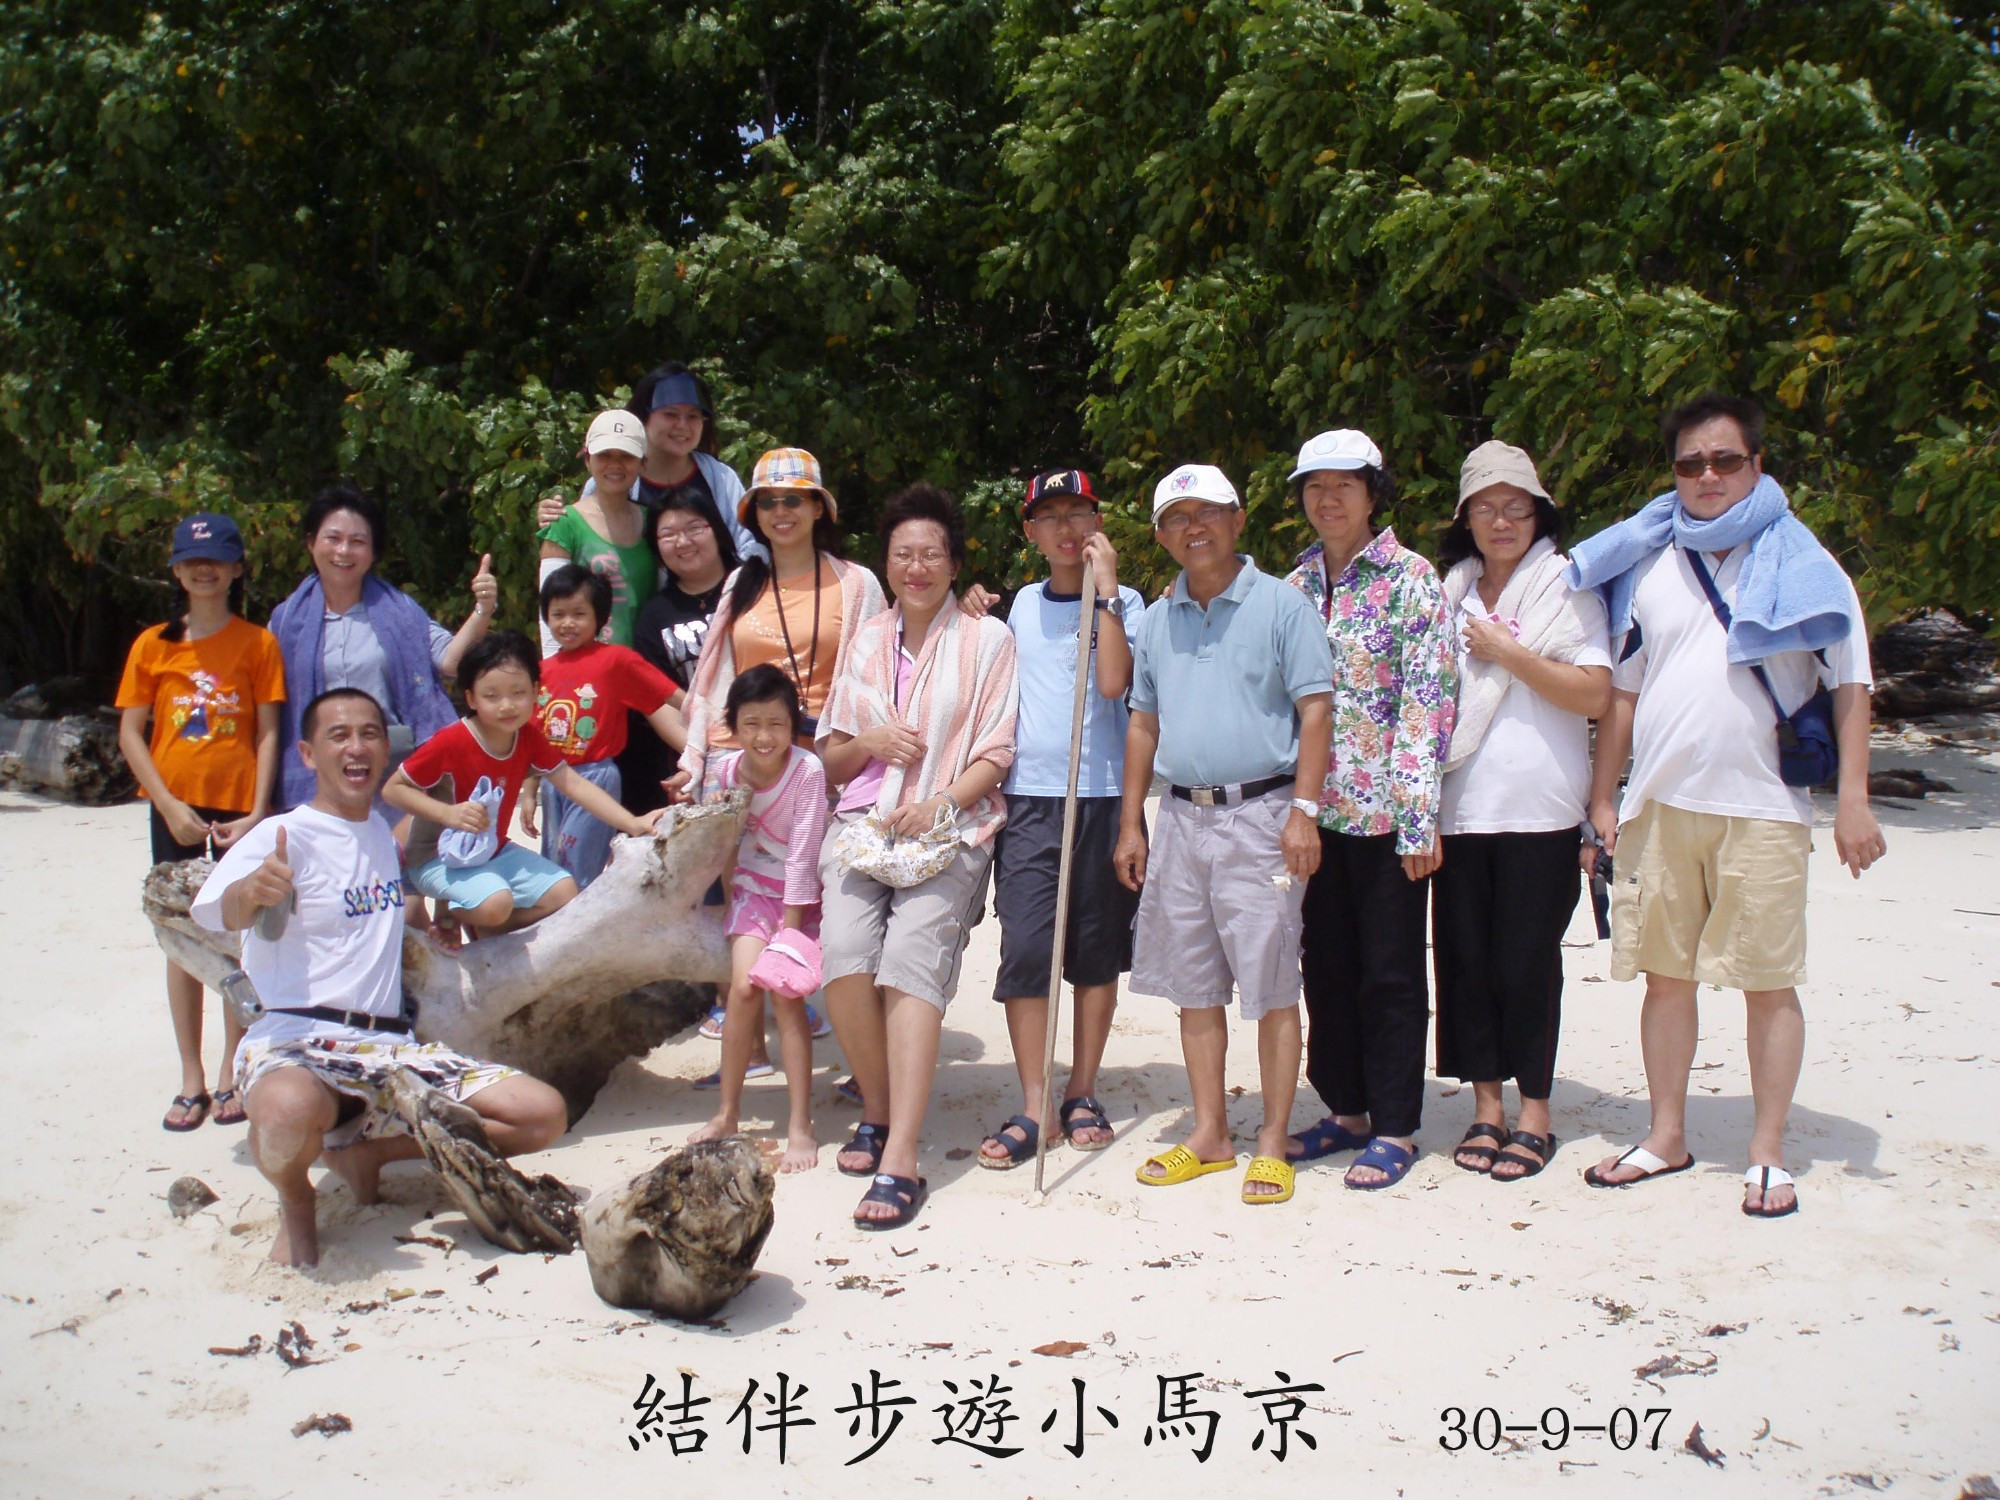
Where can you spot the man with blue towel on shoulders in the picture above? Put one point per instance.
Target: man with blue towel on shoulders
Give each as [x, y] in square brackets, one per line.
[1742, 679]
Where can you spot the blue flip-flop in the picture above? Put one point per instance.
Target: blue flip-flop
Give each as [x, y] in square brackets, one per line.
[1326, 1138]
[1383, 1156]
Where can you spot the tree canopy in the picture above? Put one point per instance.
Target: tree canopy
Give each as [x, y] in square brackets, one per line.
[250, 248]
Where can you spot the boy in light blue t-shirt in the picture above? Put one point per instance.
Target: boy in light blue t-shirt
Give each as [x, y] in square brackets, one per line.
[1060, 517]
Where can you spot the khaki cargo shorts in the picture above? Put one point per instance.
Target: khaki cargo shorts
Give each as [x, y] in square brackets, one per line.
[1710, 898]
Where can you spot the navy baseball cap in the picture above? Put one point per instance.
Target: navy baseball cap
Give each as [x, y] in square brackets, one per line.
[207, 535]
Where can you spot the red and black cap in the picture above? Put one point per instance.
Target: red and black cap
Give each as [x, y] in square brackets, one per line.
[1057, 482]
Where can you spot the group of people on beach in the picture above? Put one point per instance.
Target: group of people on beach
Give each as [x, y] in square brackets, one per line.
[1346, 758]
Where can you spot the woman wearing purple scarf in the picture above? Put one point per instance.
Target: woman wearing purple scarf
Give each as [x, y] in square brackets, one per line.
[344, 627]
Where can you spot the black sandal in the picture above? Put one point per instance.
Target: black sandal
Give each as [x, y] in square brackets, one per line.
[1087, 1114]
[904, 1194]
[1487, 1155]
[873, 1139]
[1018, 1150]
[1543, 1146]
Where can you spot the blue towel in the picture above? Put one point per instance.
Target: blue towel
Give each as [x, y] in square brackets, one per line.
[416, 698]
[1790, 596]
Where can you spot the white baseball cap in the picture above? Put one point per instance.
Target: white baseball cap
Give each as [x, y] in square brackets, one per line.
[1203, 482]
[1343, 448]
[616, 431]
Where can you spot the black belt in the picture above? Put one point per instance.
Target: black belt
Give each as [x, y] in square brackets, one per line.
[360, 1020]
[1229, 796]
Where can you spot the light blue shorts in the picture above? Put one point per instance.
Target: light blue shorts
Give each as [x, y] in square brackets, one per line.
[525, 873]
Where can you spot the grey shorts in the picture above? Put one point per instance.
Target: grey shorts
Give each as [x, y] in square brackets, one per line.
[909, 939]
[1213, 914]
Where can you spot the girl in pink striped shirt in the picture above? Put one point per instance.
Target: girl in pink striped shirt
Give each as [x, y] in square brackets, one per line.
[775, 888]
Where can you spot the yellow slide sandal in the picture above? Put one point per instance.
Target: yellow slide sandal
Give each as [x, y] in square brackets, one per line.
[1268, 1169]
[1181, 1165]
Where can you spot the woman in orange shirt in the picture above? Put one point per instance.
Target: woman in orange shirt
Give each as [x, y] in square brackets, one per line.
[211, 683]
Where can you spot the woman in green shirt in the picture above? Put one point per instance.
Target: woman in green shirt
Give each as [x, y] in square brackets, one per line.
[605, 531]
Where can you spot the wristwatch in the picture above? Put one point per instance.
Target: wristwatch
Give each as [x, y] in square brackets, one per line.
[1114, 606]
[1307, 806]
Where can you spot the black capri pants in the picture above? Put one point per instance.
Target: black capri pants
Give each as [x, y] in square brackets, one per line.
[1504, 901]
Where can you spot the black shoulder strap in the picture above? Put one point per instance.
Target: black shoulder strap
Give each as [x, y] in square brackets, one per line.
[1722, 613]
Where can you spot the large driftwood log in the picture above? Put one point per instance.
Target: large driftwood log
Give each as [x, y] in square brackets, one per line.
[1930, 664]
[682, 1239]
[610, 976]
[76, 758]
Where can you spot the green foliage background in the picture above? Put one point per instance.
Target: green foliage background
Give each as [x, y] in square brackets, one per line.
[247, 248]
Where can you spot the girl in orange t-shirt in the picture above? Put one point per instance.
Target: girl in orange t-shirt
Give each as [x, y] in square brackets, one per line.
[211, 683]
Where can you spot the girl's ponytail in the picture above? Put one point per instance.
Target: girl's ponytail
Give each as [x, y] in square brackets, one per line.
[176, 627]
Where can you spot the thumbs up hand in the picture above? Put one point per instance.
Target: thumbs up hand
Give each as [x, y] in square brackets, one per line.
[271, 882]
[485, 587]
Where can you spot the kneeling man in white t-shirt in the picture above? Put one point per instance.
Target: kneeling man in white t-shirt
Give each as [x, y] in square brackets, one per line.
[327, 962]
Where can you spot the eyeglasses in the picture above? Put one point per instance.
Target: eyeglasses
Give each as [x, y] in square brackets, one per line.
[1514, 510]
[1200, 515]
[684, 536]
[1055, 520]
[1724, 464]
[930, 557]
[769, 503]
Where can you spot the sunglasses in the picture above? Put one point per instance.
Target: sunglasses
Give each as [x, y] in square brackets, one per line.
[1724, 464]
[768, 503]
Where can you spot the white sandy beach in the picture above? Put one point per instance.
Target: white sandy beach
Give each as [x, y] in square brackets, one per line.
[1849, 1349]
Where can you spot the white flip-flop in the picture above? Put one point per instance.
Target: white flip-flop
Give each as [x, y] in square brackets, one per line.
[1649, 1165]
[1763, 1179]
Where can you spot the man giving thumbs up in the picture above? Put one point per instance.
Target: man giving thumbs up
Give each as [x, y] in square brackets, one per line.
[315, 1068]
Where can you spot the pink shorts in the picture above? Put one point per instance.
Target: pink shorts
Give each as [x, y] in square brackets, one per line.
[754, 914]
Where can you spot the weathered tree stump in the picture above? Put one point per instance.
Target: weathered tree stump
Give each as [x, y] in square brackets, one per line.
[620, 969]
[682, 1239]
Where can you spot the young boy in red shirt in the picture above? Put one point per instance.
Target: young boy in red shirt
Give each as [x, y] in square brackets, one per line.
[587, 687]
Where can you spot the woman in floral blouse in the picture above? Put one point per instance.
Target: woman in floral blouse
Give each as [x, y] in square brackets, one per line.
[1395, 682]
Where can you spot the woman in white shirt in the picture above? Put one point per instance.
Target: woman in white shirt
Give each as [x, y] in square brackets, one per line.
[1535, 667]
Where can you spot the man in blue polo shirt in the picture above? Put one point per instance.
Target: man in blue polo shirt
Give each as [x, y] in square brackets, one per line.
[1231, 701]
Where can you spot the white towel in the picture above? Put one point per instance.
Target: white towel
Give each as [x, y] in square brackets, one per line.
[1535, 606]
[457, 848]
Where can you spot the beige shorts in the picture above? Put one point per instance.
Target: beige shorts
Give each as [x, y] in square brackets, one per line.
[909, 939]
[1714, 899]
[1218, 911]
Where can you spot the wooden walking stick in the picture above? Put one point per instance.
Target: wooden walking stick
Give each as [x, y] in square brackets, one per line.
[1086, 640]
